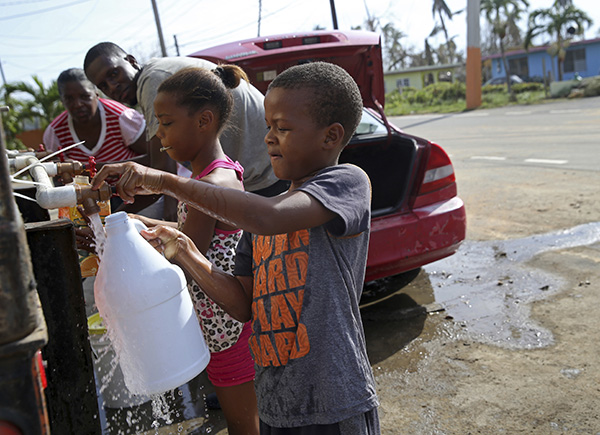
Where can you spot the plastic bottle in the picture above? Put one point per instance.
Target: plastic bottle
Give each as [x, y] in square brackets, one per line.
[150, 318]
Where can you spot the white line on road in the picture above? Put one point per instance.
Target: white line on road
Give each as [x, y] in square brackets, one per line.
[546, 161]
[474, 114]
[487, 158]
[518, 113]
[566, 111]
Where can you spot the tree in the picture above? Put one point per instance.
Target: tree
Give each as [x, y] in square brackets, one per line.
[560, 22]
[41, 103]
[396, 54]
[441, 9]
[500, 13]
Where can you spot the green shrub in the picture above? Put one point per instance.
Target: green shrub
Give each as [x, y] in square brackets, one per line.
[519, 88]
[493, 89]
[591, 87]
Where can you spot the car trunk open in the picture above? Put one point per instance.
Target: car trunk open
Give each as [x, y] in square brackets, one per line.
[386, 158]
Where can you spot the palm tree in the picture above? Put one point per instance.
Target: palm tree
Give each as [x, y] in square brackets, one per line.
[395, 51]
[441, 9]
[41, 104]
[500, 13]
[560, 22]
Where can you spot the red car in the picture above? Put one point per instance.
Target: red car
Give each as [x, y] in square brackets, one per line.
[417, 217]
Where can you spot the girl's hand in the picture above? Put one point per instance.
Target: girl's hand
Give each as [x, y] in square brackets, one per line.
[168, 241]
[134, 179]
[149, 222]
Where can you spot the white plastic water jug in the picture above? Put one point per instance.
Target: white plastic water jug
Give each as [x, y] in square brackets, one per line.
[144, 302]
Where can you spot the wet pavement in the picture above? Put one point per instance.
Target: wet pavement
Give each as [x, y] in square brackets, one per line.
[488, 287]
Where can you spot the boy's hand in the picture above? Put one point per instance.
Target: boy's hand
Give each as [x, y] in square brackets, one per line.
[84, 238]
[168, 241]
[134, 179]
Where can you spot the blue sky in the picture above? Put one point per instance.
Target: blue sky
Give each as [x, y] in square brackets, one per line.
[45, 37]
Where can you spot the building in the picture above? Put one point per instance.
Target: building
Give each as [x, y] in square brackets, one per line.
[421, 76]
[582, 58]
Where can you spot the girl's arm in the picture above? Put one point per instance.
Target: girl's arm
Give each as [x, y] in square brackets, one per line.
[289, 212]
[233, 294]
[199, 226]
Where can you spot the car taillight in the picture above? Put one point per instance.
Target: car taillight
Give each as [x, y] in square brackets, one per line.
[439, 182]
[439, 172]
[7, 428]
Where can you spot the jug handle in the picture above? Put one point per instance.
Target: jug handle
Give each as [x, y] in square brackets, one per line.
[139, 225]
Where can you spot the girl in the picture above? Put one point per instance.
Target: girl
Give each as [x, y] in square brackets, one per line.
[192, 107]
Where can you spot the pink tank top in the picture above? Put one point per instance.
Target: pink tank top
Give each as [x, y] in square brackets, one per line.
[221, 331]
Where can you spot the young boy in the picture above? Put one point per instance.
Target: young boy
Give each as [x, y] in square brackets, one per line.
[300, 274]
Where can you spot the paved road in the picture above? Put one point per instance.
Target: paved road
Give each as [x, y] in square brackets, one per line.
[562, 134]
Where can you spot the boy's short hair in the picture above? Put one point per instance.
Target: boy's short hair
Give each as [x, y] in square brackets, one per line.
[103, 48]
[336, 94]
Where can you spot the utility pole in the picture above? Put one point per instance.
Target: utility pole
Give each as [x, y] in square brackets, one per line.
[2, 73]
[473, 55]
[159, 29]
[5, 99]
[259, 16]
[333, 14]
[176, 45]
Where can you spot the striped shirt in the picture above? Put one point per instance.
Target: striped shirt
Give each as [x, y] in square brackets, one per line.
[121, 126]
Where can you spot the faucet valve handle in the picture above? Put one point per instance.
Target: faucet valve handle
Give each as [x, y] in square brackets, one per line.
[91, 167]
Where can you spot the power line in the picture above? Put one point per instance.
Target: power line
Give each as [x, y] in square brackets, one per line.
[22, 2]
[41, 11]
[237, 29]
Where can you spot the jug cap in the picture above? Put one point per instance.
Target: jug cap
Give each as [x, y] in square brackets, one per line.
[117, 218]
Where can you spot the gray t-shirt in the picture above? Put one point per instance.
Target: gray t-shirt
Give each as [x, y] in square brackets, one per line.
[308, 342]
[242, 140]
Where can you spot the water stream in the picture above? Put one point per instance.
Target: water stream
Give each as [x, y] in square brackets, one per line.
[99, 233]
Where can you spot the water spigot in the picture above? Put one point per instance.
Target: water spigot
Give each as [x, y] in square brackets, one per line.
[89, 198]
[90, 206]
[67, 170]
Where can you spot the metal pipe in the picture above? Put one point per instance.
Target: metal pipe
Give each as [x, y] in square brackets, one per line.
[48, 196]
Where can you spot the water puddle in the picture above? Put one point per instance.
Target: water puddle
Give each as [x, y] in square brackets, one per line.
[487, 288]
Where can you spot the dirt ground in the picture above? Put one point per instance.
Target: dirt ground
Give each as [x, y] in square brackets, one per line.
[447, 381]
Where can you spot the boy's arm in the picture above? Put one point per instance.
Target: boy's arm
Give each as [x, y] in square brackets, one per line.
[231, 293]
[285, 213]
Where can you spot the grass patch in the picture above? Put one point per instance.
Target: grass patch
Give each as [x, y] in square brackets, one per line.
[450, 97]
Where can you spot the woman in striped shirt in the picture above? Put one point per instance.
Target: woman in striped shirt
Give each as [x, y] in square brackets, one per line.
[112, 132]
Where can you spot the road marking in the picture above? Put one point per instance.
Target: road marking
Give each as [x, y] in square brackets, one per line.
[517, 113]
[566, 111]
[487, 158]
[473, 114]
[546, 161]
